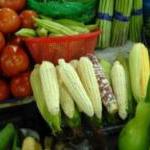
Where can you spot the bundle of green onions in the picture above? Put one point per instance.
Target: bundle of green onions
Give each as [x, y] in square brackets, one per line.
[120, 28]
[136, 21]
[106, 9]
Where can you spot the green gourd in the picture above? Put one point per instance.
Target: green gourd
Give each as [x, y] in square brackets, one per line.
[135, 134]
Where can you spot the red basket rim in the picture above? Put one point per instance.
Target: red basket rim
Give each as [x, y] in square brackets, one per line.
[63, 38]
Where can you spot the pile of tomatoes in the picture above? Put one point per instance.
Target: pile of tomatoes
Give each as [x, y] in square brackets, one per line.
[14, 60]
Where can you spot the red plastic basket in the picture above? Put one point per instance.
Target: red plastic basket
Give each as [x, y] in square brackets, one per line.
[67, 47]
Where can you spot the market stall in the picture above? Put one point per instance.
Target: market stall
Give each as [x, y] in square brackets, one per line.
[74, 75]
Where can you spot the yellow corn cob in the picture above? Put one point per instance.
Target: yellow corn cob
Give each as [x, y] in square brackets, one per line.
[87, 75]
[118, 77]
[139, 70]
[50, 86]
[74, 63]
[66, 101]
[30, 143]
[72, 81]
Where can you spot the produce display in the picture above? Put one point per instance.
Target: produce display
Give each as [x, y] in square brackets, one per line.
[86, 87]
[80, 99]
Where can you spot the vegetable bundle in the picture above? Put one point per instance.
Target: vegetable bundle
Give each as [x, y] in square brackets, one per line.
[136, 21]
[120, 26]
[106, 9]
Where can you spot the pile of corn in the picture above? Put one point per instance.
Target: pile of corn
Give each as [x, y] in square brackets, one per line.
[86, 85]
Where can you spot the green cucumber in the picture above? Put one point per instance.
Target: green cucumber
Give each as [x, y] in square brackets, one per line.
[42, 32]
[26, 32]
[6, 136]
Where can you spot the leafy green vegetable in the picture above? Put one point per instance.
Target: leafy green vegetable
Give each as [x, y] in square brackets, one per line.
[6, 136]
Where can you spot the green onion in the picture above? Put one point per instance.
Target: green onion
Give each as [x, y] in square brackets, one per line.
[120, 26]
[105, 7]
[136, 22]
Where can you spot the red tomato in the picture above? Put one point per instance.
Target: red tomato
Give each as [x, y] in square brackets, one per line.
[9, 20]
[16, 5]
[16, 41]
[27, 18]
[4, 90]
[20, 85]
[2, 41]
[13, 60]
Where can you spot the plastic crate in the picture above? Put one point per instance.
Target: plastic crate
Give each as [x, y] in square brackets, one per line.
[67, 47]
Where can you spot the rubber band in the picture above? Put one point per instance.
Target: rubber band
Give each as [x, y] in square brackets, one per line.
[119, 16]
[104, 16]
[137, 12]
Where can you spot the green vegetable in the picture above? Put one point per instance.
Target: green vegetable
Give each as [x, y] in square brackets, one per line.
[105, 7]
[27, 32]
[41, 32]
[135, 135]
[54, 27]
[120, 26]
[57, 9]
[16, 143]
[92, 27]
[6, 136]
[74, 25]
[136, 22]
[81, 10]
[106, 68]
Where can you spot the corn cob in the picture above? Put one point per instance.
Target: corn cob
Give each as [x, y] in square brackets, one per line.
[107, 95]
[30, 143]
[89, 81]
[50, 86]
[106, 66]
[53, 120]
[124, 61]
[139, 70]
[66, 101]
[72, 81]
[74, 63]
[118, 78]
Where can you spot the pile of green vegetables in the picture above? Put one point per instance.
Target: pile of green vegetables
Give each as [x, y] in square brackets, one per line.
[79, 10]
[47, 27]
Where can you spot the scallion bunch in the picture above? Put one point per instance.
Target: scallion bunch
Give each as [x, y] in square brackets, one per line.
[106, 9]
[120, 28]
[136, 21]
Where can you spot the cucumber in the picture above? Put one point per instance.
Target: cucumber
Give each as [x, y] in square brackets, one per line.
[6, 136]
[26, 32]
